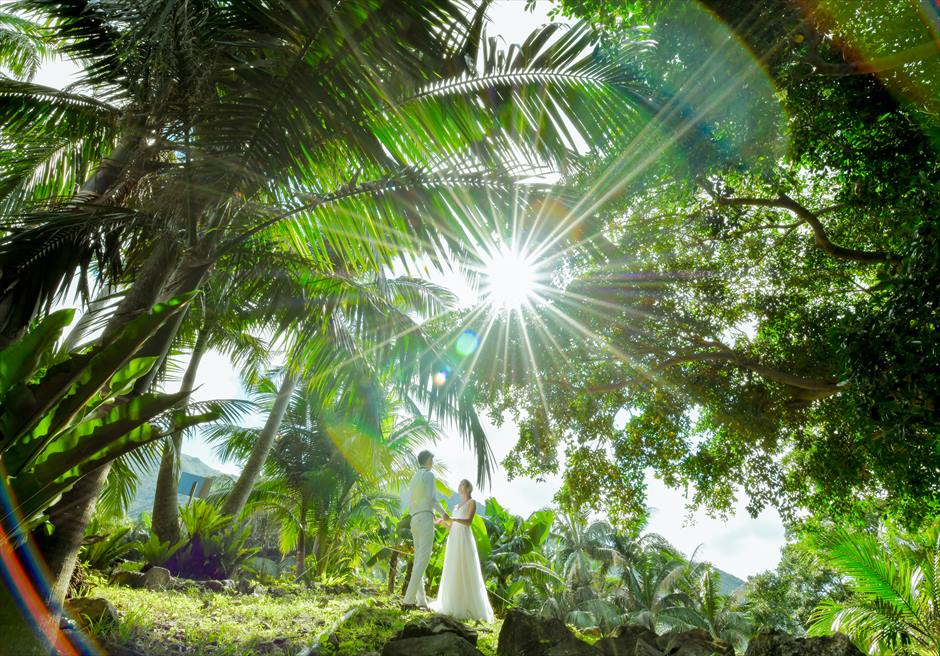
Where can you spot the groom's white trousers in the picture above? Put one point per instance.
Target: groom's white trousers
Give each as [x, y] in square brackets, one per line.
[422, 532]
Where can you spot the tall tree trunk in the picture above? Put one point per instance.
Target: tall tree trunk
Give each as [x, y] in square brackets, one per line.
[165, 515]
[302, 543]
[407, 578]
[392, 570]
[238, 497]
[71, 514]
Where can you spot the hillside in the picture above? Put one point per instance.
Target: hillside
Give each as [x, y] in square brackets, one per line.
[729, 582]
[143, 499]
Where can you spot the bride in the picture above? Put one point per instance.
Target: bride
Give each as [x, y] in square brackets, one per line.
[462, 593]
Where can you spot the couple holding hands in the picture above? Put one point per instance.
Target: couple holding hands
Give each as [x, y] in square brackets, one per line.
[462, 592]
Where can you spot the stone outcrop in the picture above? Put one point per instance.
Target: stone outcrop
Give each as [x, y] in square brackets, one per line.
[158, 578]
[437, 635]
[524, 634]
[95, 610]
[778, 643]
[695, 642]
[442, 644]
[625, 642]
[435, 625]
[128, 578]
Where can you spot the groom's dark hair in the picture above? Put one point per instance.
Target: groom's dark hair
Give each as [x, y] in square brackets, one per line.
[424, 456]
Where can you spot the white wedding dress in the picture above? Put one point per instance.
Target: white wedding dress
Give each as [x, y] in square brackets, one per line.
[462, 593]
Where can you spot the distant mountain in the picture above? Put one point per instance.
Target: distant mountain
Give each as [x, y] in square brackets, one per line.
[147, 486]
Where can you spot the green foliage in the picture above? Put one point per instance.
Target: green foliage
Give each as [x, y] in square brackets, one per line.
[511, 554]
[156, 553]
[895, 582]
[104, 545]
[756, 322]
[213, 546]
[63, 417]
[785, 598]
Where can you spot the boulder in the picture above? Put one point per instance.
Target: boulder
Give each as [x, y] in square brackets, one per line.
[696, 642]
[158, 578]
[128, 578]
[625, 639]
[217, 585]
[435, 625]
[778, 643]
[92, 610]
[442, 644]
[524, 634]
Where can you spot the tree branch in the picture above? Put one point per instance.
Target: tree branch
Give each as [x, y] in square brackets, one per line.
[917, 53]
[820, 236]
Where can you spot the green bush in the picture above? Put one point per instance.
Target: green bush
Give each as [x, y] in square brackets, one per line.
[214, 546]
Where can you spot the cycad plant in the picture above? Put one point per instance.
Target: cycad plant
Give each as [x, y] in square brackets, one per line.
[895, 608]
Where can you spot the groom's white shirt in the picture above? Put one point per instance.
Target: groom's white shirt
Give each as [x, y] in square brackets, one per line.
[421, 492]
[421, 498]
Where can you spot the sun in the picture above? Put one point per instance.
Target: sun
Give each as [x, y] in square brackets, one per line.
[510, 279]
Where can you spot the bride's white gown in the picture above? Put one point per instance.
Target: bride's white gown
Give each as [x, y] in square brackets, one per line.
[462, 593]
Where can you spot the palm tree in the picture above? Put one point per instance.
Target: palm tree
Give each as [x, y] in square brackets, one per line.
[652, 592]
[213, 124]
[718, 614]
[895, 608]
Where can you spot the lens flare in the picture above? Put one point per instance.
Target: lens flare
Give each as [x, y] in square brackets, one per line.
[467, 343]
[440, 378]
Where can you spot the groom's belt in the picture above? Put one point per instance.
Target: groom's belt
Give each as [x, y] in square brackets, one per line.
[422, 511]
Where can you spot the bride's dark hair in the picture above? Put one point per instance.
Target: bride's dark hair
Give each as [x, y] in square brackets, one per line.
[468, 484]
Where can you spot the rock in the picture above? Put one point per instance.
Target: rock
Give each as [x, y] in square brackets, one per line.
[524, 634]
[115, 649]
[435, 625]
[442, 644]
[219, 585]
[696, 642]
[93, 610]
[128, 578]
[158, 578]
[778, 643]
[624, 641]
[644, 648]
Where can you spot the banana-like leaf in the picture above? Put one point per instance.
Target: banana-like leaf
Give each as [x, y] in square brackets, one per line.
[18, 362]
[123, 381]
[478, 526]
[90, 435]
[41, 411]
[33, 493]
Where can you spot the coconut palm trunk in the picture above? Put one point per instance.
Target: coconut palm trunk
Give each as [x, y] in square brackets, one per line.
[238, 497]
[72, 513]
[165, 515]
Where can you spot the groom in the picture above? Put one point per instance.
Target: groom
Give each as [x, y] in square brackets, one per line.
[422, 495]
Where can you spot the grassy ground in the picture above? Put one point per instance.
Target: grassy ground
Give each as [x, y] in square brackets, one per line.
[222, 624]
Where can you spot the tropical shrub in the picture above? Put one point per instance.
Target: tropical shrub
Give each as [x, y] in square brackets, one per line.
[64, 415]
[104, 545]
[214, 545]
[895, 608]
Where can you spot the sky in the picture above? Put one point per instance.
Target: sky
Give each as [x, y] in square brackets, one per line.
[740, 544]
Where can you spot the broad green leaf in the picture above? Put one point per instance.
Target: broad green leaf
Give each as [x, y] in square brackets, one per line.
[19, 360]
